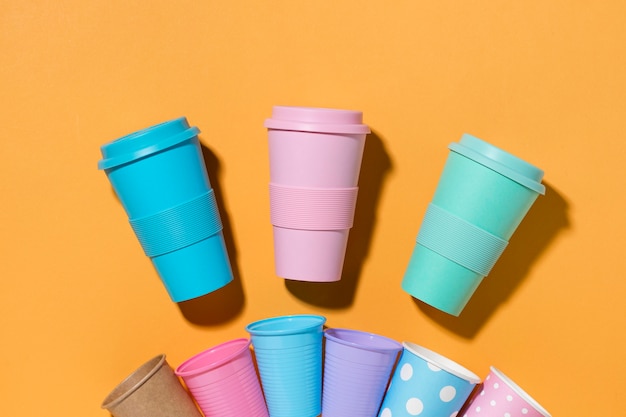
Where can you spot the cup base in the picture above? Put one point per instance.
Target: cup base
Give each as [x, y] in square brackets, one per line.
[195, 270]
[309, 255]
[438, 281]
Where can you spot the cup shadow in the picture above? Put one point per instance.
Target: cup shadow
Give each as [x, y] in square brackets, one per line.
[375, 165]
[226, 303]
[544, 221]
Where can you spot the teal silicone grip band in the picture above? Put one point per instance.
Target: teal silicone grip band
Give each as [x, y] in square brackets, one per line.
[459, 240]
[179, 226]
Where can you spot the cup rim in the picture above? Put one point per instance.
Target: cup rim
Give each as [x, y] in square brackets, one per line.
[256, 328]
[153, 366]
[239, 344]
[390, 344]
[442, 362]
[519, 391]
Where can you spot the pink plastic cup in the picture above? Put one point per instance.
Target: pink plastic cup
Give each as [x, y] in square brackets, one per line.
[501, 397]
[223, 381]
[315, 161]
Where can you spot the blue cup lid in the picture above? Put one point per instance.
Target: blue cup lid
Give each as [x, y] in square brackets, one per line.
[146, 142]
[500, 161]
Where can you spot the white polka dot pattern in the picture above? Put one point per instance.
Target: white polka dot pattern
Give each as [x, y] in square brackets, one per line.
[498, 399]
[422, 388]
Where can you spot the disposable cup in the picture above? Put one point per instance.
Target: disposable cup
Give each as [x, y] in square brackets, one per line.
[357, 368]
[223, 381]
[427, 384]
[482, 196]
[160, 178]
[293, 385]
[363, 369]
[153, 390]
[315, 161]
[499, 396]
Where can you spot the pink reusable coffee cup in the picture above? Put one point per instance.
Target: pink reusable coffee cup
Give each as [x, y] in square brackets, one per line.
[223, 381]
[501, 397]
[315, 160]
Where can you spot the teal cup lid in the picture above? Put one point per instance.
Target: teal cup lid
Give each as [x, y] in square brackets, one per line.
[146, 142]
[500, 161]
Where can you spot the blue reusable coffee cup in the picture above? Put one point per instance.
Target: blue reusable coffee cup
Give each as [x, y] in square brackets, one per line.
[160, 178]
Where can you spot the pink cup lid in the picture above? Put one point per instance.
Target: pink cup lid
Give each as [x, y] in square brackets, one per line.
[320, 120]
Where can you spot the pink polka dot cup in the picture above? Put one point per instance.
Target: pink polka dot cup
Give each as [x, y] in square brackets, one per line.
[501, 397]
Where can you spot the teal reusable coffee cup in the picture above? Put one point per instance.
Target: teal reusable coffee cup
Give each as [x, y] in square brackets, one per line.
[288, 352]
[160, 178]
[482, 196]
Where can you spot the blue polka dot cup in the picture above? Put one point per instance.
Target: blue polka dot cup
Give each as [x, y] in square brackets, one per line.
[427, 384]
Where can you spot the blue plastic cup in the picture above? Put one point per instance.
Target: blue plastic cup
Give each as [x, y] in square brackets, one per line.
[427, 384]
[159, 176]
[482, 196]
[288, 351]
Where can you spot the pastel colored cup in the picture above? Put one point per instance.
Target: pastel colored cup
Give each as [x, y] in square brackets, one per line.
[315, 160]
[482, 196]
[501, 397]
[160, 178]
[288, 352]
[153, 390]
[223, 381]
[357, 368]
[427, 384]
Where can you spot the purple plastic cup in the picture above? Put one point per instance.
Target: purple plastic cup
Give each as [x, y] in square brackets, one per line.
[357, 368]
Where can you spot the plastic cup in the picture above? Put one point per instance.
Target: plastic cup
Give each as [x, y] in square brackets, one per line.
[151, 391]
[159, 176]
[288, 351]
[357, 368]
[427, 384]
[482, 196]
[223, 381]
[315, 161]
[501, 397]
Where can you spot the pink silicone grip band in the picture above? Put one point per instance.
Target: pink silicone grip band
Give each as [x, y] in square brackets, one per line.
[312, 208]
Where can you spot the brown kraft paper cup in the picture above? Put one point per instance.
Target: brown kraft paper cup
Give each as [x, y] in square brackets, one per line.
[153, 390]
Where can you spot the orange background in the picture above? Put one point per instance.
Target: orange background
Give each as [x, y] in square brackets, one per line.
[81, 306]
